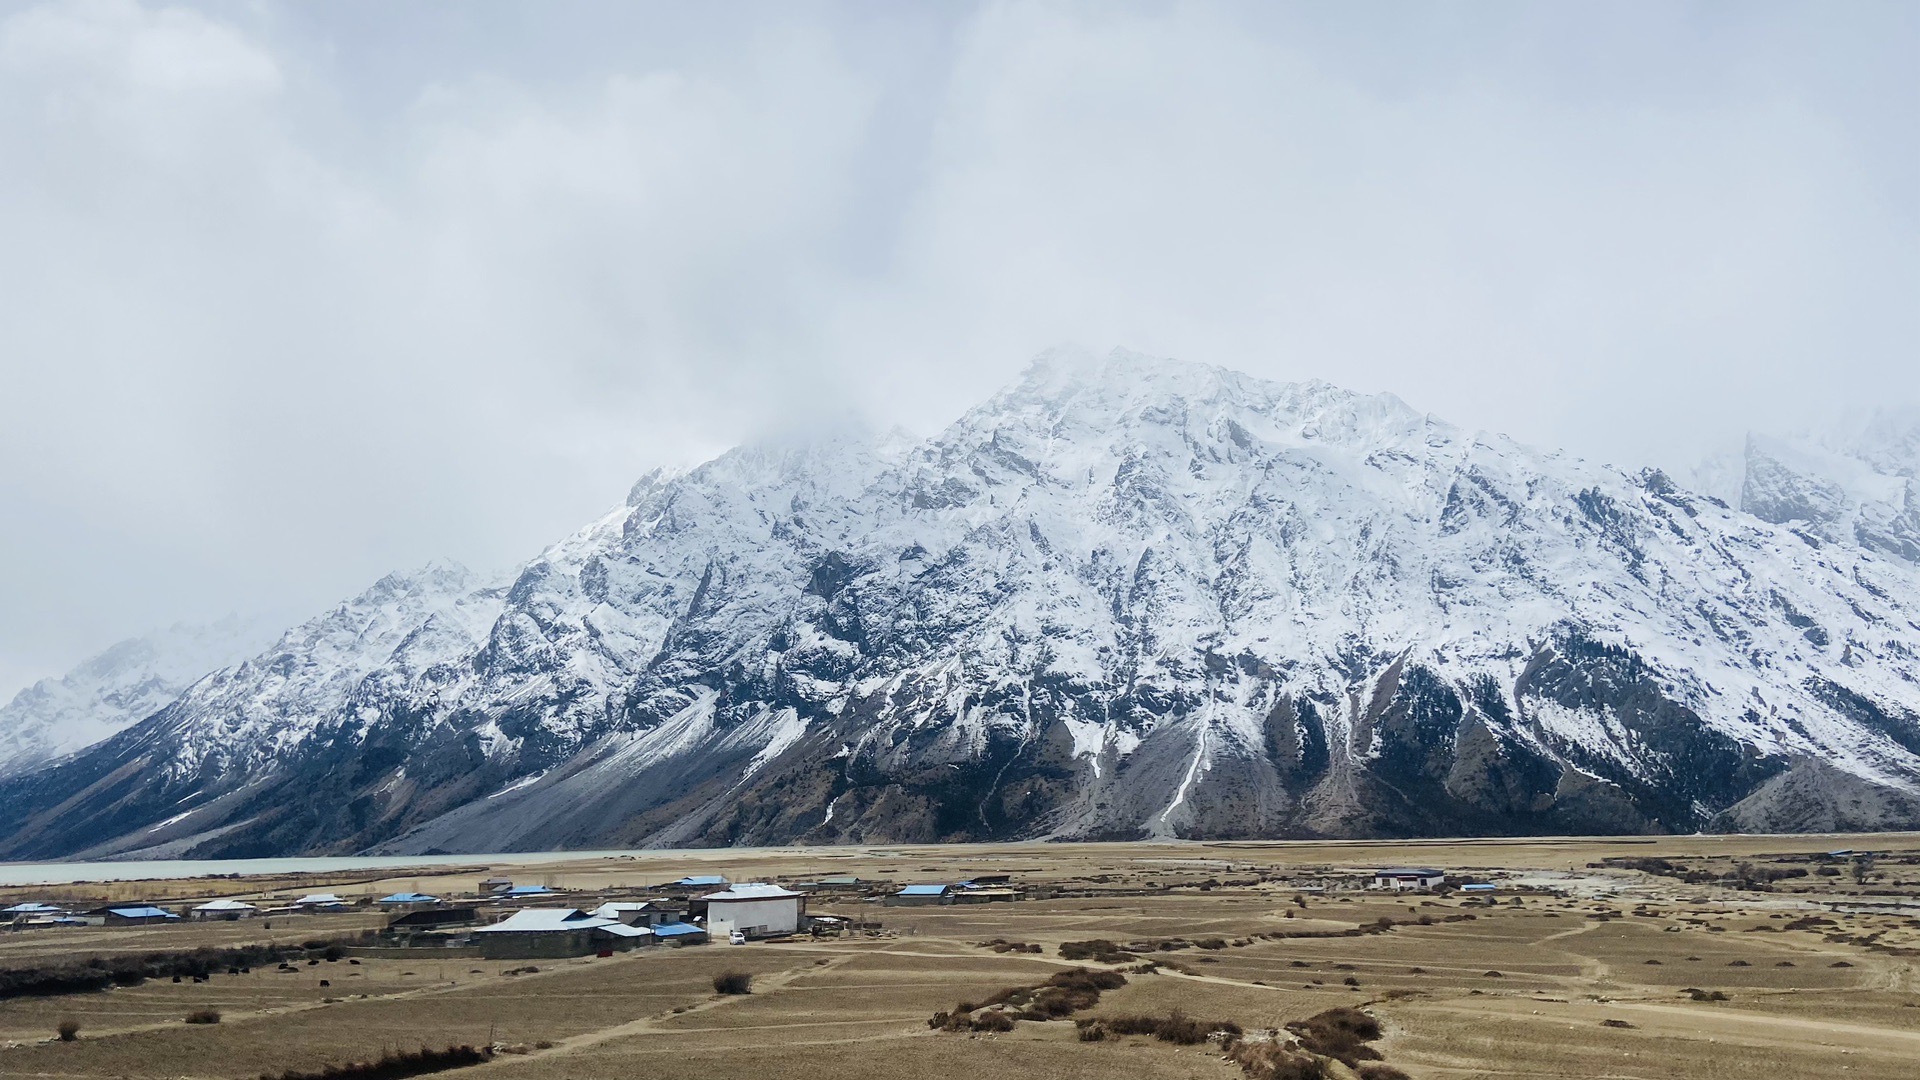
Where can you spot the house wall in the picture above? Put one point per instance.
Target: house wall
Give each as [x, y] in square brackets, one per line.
[545, 945]
[777, 915]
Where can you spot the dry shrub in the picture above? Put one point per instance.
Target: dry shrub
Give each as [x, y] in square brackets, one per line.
[204, 1016]
[68, 1029]
[1210, 943]
[1377, 1071]
[1273, 1061]
[992, 1021]
[1176, 1027]
[1705, 995]
[1494, 975]
[1091, 1030]
[733, 982]
[1062, 995]
[1099, 950]
[97, 973]
[395, 1065]
[1615, 1023]
[1340, 1033]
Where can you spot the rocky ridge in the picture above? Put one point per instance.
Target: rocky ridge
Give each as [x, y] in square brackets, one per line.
[1124, 597]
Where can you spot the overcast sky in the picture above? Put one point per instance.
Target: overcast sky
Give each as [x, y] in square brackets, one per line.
[291, 296]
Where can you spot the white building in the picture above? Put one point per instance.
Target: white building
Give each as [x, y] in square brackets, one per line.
[1401, 878]
[225, 910]
[639, 912]
[754, 910]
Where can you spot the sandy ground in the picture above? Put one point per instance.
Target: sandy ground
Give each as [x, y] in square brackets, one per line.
[1814, 969]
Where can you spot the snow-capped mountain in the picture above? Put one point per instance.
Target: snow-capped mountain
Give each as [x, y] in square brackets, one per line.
[1123, 597]
[1856, 484]
[121, 686]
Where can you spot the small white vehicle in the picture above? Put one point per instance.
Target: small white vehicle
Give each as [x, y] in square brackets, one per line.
[736, 938]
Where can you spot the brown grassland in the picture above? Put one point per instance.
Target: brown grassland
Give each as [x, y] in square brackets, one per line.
[1576, 968]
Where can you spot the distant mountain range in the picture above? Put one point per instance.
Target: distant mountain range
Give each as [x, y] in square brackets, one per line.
[118, 688]
[1124, 597]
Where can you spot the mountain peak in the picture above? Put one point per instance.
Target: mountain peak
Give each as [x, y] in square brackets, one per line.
[1126, 596]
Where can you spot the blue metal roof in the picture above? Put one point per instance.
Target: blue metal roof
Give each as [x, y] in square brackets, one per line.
[925, 890]
[676, 929]
[408, 898]
[528, 890]
[712, 879]
[143, 913]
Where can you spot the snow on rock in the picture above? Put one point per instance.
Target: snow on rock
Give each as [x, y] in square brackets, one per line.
[1123, 597]
[120, 687]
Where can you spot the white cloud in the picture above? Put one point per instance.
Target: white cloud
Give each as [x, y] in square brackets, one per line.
[298, 295]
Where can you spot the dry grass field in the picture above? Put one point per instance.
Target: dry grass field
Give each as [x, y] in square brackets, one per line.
[1710, 957]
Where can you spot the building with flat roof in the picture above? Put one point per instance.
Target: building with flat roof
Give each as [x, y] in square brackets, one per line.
[223, 911]
[921, 896]
[139, 916]
[1402, 878]
[755, 909]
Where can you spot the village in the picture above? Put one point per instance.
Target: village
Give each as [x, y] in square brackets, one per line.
[1633, 957]
[500, 919]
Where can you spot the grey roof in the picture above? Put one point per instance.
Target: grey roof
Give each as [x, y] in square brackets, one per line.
[544, 921]
[751, 891]
[620, 929]
[1408, 871]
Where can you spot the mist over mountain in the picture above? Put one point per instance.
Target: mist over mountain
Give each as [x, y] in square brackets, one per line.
[123, 685]
[1123, 597]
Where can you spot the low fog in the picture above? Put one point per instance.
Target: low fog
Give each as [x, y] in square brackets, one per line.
[295, 295]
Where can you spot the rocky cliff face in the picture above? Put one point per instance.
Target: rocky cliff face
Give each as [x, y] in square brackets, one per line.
[1125, 597]
[1860, 485]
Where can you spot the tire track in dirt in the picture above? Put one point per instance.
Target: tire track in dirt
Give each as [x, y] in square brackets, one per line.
[646, 1025]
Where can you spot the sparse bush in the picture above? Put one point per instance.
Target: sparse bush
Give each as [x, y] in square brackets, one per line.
[1615, 1023]
[993, 1022]
[1210, 943]
[204, 1016]
[395, 1065]
[1494, 975]
[68, 1029]
[1268, 1060]
[1099, 950]
[98, 973]
[1377, 1071]
[1091, 1031]
[1176, 1027]
[733, 982]
[1340, 1033]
